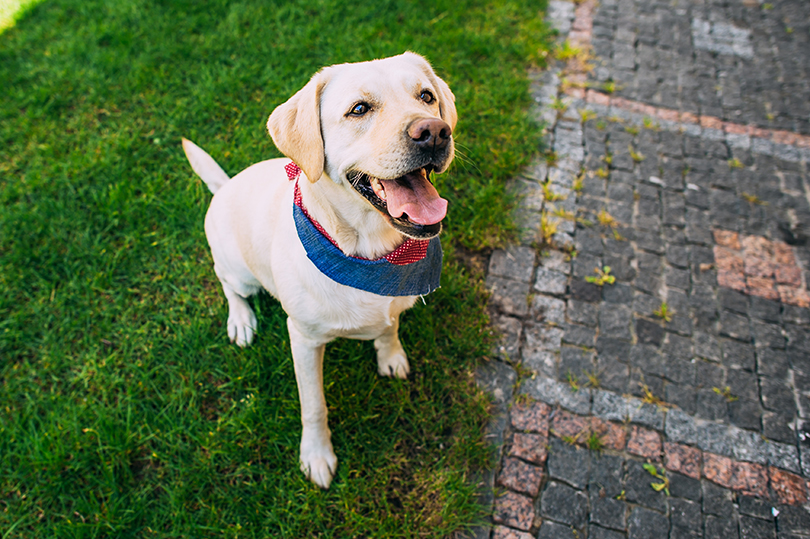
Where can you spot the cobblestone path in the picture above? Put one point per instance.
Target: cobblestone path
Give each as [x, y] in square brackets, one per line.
[669, 396]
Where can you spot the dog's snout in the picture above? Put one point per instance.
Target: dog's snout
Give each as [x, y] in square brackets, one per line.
[430, 133]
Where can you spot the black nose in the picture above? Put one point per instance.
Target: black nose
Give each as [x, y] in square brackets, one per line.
[430, 133]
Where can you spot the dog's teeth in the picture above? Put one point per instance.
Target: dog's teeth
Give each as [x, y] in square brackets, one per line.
[379, 190]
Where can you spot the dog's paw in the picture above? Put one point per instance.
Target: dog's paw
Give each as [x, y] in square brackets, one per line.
[394, 364]
[241, 325]
[319, 464]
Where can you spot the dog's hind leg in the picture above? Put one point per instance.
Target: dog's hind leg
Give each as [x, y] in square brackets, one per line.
[318, 460]
[391, 357]
[241, 320]
[238, 284]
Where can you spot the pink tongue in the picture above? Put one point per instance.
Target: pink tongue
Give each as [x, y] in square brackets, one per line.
[415, 195]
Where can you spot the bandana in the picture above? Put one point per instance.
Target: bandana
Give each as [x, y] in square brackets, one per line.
[412, 269]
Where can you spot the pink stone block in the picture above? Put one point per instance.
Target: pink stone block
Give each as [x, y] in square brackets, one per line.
[514, 510]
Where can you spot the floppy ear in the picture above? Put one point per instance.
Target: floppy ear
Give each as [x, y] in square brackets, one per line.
[447, 101]
[295, 127]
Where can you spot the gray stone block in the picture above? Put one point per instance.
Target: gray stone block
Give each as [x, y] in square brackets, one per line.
[645, 414]
[716, 500]
[514, 262]
[553, 530]
[510, 331]
[497, 379]
[559, 15]
[748, 446]
[550, 281]
[541, 347]
[576, 363]
[638, 491]
[548, 309]
[557, 393]
[561, 503]
[537, 170]
[723, 526]
[714, 437]
[686, 516]
[706, 346]
[579, 335]
[754, 528]
[608, 512]
[681, 427]
[615, 320]
[510, 297]
[558, 261]
[609, 406]
[568, 463]
[582, 312]
[784, 456]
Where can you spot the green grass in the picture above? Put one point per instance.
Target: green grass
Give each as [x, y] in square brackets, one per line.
[124, 411]
[11, 10]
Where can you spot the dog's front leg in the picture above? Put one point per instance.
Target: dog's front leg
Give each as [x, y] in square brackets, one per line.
[391, 357]
[318, 460]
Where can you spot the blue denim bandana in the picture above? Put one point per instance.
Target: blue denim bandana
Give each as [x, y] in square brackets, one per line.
[412, 269]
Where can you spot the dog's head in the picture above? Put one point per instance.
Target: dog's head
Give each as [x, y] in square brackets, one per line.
[378, 128]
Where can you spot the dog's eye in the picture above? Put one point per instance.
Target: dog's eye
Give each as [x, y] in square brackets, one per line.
[359, 109]
[427, 97]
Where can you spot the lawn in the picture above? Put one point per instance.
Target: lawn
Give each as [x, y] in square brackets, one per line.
[124, 411]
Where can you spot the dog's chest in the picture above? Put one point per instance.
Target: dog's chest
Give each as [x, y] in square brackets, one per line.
[358, 314]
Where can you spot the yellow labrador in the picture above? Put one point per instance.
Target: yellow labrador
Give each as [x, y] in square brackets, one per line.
[345, 235]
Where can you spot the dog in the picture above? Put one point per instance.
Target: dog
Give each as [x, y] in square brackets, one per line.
[344, 231]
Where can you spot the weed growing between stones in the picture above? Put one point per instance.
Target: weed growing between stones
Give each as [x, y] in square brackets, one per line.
[602, 277]
[664, 312]
[660, 475]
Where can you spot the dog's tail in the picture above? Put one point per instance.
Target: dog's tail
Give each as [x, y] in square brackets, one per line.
[205, 166]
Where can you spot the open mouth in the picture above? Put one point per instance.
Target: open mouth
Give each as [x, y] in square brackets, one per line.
[412, 204]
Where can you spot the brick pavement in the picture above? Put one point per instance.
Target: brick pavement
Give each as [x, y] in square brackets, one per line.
[668, 397]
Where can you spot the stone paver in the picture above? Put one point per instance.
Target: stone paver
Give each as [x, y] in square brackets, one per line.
[668, 396]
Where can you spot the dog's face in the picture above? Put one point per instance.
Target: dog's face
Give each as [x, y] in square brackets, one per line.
[378, 129]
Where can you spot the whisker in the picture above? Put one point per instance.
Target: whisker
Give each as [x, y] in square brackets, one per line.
[355, 180]
[465, 160]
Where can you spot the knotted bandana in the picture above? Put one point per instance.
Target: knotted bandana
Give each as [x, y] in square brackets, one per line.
[412, 269]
